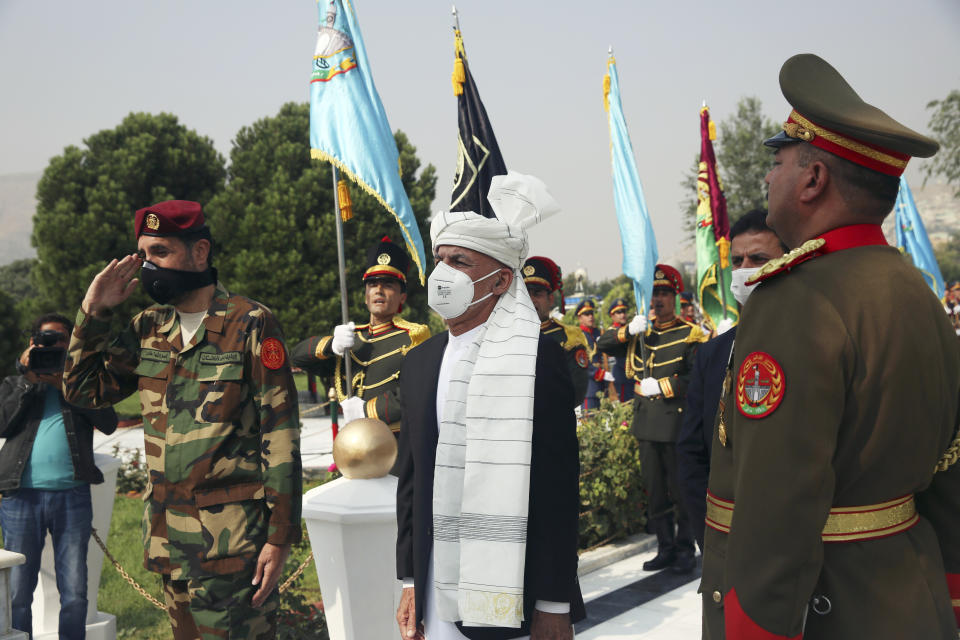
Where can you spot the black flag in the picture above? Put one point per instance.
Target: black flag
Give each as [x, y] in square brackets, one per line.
[478, 154]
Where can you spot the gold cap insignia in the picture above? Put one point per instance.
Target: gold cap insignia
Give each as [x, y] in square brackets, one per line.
[383, 258]
[529, 270]
[153, 222]
[659, 275]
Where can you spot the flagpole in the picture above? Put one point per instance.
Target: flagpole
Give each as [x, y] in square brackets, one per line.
[456, 19]
[341, 263]
[723, 292]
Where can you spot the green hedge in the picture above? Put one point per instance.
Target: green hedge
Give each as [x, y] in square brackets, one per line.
[612, 501]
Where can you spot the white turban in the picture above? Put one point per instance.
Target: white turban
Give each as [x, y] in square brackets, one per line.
[520, 201]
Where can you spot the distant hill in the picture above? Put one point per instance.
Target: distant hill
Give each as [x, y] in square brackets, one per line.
[17, 206]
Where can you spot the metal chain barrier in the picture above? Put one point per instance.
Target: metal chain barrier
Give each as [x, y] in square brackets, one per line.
[133, 583]
[126, 576]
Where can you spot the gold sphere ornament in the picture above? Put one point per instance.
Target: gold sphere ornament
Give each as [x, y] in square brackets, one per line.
[365, 448]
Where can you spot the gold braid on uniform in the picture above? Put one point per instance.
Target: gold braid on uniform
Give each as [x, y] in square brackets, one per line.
[949, 456]
[786, 259]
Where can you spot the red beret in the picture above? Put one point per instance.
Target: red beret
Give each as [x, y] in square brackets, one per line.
[170, 218]
[667, 276]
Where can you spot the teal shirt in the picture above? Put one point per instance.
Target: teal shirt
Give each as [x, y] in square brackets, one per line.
[50, 466]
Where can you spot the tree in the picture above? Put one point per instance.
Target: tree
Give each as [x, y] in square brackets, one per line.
[15, 278]
[12, 336]
[945, 125]
[742, 161]
[274, 228]
[86, 199]
[948, 258]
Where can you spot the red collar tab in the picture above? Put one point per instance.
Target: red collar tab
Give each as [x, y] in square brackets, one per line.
[849, 237]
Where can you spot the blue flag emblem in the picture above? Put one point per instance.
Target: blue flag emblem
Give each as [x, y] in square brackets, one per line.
[912, 239]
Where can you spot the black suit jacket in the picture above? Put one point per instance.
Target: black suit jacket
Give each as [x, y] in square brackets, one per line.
[696, 430]
[551, 564]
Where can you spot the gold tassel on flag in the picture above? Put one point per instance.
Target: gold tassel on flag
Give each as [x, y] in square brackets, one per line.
[723, 252]
[606, 93]
[459, 73]
[343, 196]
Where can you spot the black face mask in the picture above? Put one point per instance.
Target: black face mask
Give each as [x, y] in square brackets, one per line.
[165, 285]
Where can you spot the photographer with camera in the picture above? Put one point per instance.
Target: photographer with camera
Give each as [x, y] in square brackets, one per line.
[46, 469]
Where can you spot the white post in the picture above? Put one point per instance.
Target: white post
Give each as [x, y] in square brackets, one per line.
[46, 597]
[352, 526]
[8, 560]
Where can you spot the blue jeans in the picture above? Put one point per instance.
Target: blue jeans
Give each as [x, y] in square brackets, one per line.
[26, 516]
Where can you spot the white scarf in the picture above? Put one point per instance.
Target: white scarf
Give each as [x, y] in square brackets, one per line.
[482, 471]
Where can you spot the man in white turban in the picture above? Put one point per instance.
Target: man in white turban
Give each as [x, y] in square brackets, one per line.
[488, 492]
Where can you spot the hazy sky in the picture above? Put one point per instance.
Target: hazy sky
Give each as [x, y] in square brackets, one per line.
[72, 68]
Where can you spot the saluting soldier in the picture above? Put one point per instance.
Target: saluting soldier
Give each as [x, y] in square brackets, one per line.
[542, 277]
[377, 348]
[622, 384]
[659, 359]
[834, 504]
[598, 373]
[221, 426]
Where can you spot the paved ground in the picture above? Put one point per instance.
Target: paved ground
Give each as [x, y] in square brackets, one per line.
[623, 601]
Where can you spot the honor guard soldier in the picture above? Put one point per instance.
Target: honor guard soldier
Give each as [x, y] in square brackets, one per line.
[598, 373]
[221, 426]
[659, 360]
[833, 509]
[542, 277]
[376, 349]
[621, 383]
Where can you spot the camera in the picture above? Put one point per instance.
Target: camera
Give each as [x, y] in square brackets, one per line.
[46, 357]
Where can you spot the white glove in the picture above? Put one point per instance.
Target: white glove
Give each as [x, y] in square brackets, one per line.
[956, 308]
[343, 338]
[352, 409]
[650, 387]
[637, 325]
[725, 325]
[607, 376]
[578, 411]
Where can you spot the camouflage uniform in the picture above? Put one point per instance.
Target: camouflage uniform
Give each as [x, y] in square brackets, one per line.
[221, 434]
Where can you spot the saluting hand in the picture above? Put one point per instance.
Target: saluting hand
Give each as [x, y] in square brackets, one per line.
[111, 286]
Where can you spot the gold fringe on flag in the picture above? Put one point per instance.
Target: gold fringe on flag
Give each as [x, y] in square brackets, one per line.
[606, 92]
[459, 75]
[343, 197]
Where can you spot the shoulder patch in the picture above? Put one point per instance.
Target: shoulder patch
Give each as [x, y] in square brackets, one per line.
[760, 385]
[581, 356]
[792, 258]
[272, 353]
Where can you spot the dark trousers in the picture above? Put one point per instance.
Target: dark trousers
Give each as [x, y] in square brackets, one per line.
[658, 467]
[26, 516]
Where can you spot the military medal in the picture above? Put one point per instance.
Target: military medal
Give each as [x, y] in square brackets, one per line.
[760, 385]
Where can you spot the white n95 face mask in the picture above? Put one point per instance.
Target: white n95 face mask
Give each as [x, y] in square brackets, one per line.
[450, 292]
[738, 284]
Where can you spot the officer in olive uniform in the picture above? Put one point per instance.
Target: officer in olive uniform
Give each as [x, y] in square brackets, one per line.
[221, 426]
[834, 502]
[598, 374]
[660, 363]
[622, 384]
[542, 277]
[376, 349]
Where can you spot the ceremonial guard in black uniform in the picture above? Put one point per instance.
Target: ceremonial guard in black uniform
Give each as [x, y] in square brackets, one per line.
[621, 383]
[660, 366]
[598, 374]
[376, 349]
[542, 277]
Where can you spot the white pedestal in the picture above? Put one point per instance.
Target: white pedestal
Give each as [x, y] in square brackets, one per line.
[8, 559]
[46, 598]
[352, 526]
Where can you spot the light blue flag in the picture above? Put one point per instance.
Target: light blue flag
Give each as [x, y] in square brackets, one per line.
[348, 126]
[912, 238]
[636, 233]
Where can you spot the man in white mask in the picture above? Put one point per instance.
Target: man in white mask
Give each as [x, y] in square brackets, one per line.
[488, 491]
[752, 245]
